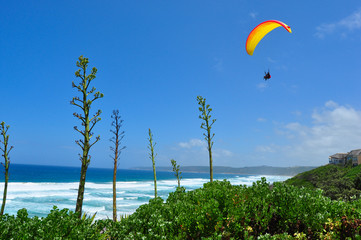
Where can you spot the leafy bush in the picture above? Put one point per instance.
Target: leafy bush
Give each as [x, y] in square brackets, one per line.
[222, 211]
[336, 181]
[216, 211]
[59, 224]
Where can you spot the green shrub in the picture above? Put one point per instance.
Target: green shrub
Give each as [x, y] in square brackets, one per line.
[218, 210]
[59, 224]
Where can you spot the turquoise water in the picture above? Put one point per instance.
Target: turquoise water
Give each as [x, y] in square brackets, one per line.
[39, 188]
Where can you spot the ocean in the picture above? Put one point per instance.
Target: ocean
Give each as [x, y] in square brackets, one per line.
[39, 188]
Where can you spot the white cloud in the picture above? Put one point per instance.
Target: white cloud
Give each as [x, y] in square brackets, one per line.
[261, 119]
[218, 65]
[335, 128]
[253, 15]
[222, 153]
[329, 129]
[353, 21]
[271, 60]
[195, 152]
[267, 149]
[262, 86]
[193, 143]
[325, 29]
[347, 24]
[331, 104]
[297, 113]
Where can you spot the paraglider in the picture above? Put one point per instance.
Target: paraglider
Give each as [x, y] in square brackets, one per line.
[262, 30]
[258, 33]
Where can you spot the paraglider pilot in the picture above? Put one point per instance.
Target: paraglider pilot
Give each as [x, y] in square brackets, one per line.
[267, 75]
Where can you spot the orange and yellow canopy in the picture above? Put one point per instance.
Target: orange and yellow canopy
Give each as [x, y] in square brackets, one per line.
[260, 31]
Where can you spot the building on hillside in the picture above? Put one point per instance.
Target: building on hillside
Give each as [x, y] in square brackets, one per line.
[338, 158]
[342, 158]
[354, 156]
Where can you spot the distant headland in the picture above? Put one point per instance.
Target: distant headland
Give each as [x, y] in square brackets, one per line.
[257, 170]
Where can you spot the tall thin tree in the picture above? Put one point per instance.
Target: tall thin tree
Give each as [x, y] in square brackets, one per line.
[116, 139]
[176, 171]
[3, 131]
[152, 157]
[207, 125]
[84, 103]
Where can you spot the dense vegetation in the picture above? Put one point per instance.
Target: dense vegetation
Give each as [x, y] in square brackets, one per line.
[336, 181]
[219, 210]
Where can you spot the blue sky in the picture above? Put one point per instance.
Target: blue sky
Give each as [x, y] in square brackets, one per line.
[155, 57]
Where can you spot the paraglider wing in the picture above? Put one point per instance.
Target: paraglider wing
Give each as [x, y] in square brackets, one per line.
[260, 31]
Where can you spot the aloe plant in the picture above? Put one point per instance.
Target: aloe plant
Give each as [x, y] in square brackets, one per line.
[116, 139]
[176, 171]
[6, 164]
[152, 157]
[84, 103]
[207, 125]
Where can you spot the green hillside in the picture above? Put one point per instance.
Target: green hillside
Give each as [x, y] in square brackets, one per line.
[336, 181]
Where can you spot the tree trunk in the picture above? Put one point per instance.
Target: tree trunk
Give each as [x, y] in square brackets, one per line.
[5, 190]
[155, 180]
[210, 155]
[210, 165]
[79, 202]
[115, 189]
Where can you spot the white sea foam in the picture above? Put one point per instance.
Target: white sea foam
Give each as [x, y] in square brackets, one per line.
[40, 197]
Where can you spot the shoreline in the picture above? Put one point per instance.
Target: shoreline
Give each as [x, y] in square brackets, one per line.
[259, 170]
[230, 173]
